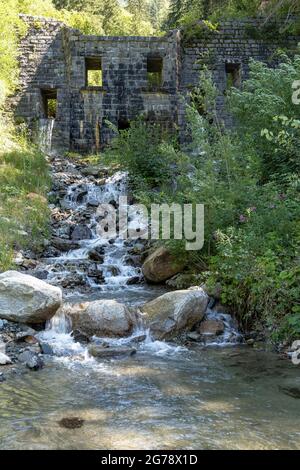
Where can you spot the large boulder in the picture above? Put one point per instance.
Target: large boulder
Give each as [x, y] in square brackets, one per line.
[161, 265]
[102, 318]
[26, 299]
[174, 312]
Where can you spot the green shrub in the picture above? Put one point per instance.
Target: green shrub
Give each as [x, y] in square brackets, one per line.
[267, 119]
[146, 153]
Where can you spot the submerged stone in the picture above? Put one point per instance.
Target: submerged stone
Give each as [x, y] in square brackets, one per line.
[103, 352]
[71, 423]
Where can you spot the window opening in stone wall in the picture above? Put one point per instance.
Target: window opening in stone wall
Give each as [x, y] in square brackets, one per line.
[123, 124]
[49, 103]
[93, 72]
[233, 75]
[154, 71]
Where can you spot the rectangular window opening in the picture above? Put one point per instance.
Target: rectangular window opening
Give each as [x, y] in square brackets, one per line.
[49, 98]
[233, 75]
[123, 124]
[93, 71]
[154, 71]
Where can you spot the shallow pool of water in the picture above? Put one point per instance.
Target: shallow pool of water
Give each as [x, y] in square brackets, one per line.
[214, 398]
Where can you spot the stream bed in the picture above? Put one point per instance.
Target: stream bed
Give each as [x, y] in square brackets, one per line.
[164, 397]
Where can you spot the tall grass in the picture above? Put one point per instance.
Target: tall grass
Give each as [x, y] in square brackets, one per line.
[24, 215]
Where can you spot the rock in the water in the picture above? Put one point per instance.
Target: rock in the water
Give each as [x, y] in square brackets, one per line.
[63, 244]
[80, 337]
[133, 280]
[25, 299]
[193, 336]
[22, 335]
[211, 328]
[102, 352]
[35, 363]
[31, 360]
[161, 265]
[101, 318]
[174, 312]
[81, 232]
[46, 349]
[94, 170]
[97, 254]
[4, 359]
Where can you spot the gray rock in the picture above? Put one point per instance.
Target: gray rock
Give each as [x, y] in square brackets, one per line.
[63, 244]
[25, 299]
[161, 265]
[174, 312]
[35, 363]
[133, 280]
[22, 335]
[102, 318]
[31, 360]
[102, 352]
[41, 274]
[94, 170]
[97, 254]
[81, 232]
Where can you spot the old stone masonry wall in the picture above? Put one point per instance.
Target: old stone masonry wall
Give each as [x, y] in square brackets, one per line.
[82, 82]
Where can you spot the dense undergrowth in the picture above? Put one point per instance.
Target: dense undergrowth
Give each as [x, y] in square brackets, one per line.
[248, 180]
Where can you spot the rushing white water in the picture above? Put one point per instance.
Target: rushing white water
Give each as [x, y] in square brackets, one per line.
[83, 196]
[230, 336]
[45, 132]
[58, 335]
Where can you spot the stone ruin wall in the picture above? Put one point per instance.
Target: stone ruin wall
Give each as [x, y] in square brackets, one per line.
[53, 57]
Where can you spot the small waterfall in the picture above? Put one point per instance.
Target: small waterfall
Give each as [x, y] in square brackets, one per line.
[45, 131]
[83, 197]
[57, 336]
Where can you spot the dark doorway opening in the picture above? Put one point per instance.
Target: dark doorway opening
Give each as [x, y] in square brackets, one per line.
[154, 71]
[233, 75]
[49, 98]
[93, 72]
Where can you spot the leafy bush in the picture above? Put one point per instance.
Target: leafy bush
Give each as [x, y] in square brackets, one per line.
[267, 119]
[146, 153]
